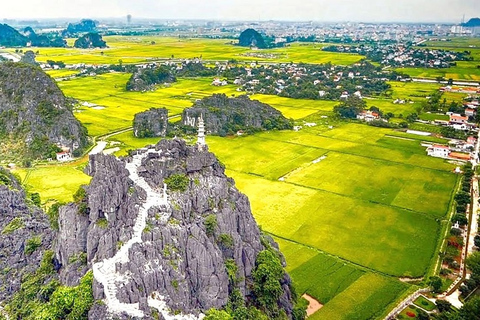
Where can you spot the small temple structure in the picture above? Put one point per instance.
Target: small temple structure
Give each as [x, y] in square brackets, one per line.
[201, 134]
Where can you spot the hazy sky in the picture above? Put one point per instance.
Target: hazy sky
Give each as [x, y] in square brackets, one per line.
[317, 10]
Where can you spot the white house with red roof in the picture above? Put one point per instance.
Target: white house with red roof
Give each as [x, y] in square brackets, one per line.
[469, 112]
[458, 119]
[368, 116]
[64, 156]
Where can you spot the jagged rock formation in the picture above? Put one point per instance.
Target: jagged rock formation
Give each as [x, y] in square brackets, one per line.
[151, 123]
[29, 58]
[159, 229]
[90, 40]
[25, 234]
[145, 79]
[251, 38]
[35, 116]
[223, 115]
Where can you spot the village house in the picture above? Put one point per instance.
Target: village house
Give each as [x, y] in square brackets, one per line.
[64, 156]
[217, 82]
[438, 151]
[470, 112]
[368, 116]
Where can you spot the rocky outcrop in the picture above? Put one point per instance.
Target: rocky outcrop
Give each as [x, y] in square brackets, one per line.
[89, 41]
[35, 117]
[145, 79]
[25, 234]
[151, 123]
[163, 226]
[223, 115]
[29, 58]
[251, 38]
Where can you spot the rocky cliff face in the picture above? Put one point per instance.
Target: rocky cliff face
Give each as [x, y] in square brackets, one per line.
[223, 115]
[151, 123]
[164, 231]
[35, 116]
[25, 234]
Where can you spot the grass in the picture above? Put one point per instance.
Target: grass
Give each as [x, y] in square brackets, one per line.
[399, 185]
[61, 73]
[433, 116]
[322, 276]
[296, 108]
[400, 242]
[54, 182]
[465, 70]
[364, 299]
[370, 191]
[424, 303]
[137, 49]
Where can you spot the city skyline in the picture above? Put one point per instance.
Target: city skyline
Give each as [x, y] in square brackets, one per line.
[450, 11]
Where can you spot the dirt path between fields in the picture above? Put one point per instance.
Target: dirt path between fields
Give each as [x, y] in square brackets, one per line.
[313, 305]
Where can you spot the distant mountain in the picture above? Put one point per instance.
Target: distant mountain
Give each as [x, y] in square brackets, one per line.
[35, 117]
[86, 25]
[90, 40]
[42, 40]
[9, 37]
[474, 22]
[251, 38]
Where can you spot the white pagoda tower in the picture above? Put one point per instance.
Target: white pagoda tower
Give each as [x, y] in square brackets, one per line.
[201, 134]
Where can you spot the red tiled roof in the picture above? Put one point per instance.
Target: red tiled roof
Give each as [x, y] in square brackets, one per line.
[461, 156]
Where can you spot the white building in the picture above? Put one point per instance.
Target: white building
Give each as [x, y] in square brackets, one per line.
[64, 156]
[438, 151]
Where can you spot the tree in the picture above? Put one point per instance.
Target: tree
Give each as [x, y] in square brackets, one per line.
[214, 314]
[412, 117]
[442, 305]
[473, 263]
[422, 315]
[462, 198]
[436, 283]
[266, 276]
[350, 108]
[471, 309]
[476, 240]
[460, 218]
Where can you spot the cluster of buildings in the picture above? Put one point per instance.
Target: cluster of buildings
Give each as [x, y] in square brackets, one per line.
[399, 55]
[456, 150]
